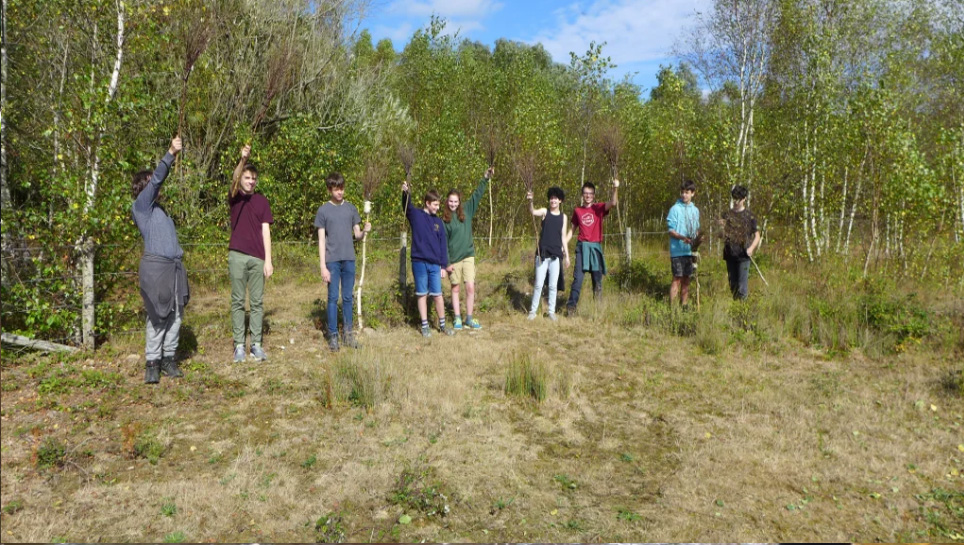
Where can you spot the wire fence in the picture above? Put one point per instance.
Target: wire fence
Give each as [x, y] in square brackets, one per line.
[44, 292]
[44, 288]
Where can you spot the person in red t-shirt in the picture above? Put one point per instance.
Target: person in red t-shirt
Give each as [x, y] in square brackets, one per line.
[249, 254]
[587, 221]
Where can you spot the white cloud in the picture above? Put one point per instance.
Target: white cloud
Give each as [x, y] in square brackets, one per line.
[471, 9]
[634, 30]
[398, 34]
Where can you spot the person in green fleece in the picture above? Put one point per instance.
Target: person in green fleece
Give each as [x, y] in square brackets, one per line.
[458, 230]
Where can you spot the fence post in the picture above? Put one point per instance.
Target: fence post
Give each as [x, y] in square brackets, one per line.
[87, 282]
[629, 245]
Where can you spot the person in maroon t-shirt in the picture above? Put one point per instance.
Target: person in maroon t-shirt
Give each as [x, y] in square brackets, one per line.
[249, 254]
[587, 221]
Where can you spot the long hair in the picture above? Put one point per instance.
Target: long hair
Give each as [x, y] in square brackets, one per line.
[447, 212]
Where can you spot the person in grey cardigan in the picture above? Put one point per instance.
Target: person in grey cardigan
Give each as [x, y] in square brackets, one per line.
[163, 281]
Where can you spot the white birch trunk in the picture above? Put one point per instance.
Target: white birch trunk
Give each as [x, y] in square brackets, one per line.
[843, 213]
[87, 250]
[853, 212]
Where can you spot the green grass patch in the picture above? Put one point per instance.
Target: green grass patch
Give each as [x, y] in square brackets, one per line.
[526, 377]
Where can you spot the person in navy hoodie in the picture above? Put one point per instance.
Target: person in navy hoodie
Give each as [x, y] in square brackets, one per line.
[430, 256]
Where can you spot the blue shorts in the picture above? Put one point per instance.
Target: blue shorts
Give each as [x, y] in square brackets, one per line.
[428, 278]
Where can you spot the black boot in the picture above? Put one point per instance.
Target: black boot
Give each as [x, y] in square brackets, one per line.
[152, 373]
[169, 367]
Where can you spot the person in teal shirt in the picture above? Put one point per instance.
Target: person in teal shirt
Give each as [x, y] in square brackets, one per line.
[458, 231]
[683, 223]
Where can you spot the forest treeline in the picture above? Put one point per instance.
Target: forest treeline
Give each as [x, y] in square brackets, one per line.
[844, 119]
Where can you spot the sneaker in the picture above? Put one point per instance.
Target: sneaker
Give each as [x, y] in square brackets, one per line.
[571, 312]
[446, 331]
[333, 343]
[258, 353]
[474, 324]
[169, 367]
[152, 372]
[457, 324]
[350, 340]
[239, 353]
[531, 316]
[426, 331]
[553, 317]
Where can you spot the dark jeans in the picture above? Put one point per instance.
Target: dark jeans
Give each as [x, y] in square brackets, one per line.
[739, 272]
[577, 276]
[343, 275]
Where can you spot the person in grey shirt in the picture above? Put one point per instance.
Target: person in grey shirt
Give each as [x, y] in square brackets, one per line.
[338, 227]
[163, 281]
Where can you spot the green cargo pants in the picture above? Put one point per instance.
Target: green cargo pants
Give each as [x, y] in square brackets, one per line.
[247, 274]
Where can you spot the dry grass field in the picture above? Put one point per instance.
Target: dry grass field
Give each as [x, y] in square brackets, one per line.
[780, 420]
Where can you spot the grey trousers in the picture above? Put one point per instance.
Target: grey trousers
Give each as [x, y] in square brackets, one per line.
[161, 339]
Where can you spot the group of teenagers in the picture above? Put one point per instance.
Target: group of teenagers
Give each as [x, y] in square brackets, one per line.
[442, 246]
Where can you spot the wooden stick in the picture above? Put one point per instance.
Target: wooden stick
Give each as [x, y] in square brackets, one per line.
[44, 346]
[767, 284]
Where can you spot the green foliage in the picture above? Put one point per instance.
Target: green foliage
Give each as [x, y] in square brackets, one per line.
[639, 277]
[13, 507]
[51, 453]
[943, 511]
[169, 509]
[420, 490]
[175, 537]
[330, 528]
[148, 446]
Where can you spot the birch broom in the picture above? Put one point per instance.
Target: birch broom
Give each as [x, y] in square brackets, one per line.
[196, 40]
[280, 75]
[406, 154]
[525, 167]
[491, 141]
[612, 143]
[371, 180]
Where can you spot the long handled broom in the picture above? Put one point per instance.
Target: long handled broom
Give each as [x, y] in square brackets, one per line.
[278, 81]
[371, 180]
[492, 142]
[612, 143]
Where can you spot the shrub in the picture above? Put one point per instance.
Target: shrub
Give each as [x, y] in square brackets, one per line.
[52, 453]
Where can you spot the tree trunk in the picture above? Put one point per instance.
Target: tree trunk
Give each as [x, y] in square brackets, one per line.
[87, 253]
[5, 202]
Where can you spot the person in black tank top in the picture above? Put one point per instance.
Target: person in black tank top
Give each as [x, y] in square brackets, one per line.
[552, 250]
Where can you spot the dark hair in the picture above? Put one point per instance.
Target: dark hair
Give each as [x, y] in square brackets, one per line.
[447, 213]
[430, 196]
[556, 192]
[335, 180]
[250, 168]
[140, 182]
[687, 185]
[590, 185]
[739, 193]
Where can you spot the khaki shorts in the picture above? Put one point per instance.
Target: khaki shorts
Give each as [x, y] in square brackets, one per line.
[463, 272]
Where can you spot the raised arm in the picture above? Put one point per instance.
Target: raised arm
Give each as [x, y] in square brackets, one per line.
[537, 212]
[146, 199]
[239, 170]
[615, 200]
[476, 198]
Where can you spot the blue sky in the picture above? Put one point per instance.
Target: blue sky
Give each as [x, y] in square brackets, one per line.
[639, 34]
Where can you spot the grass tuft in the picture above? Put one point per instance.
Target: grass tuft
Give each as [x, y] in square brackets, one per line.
[527, 378]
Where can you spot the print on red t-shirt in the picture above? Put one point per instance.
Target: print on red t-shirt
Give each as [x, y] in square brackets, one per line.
[588, 221]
